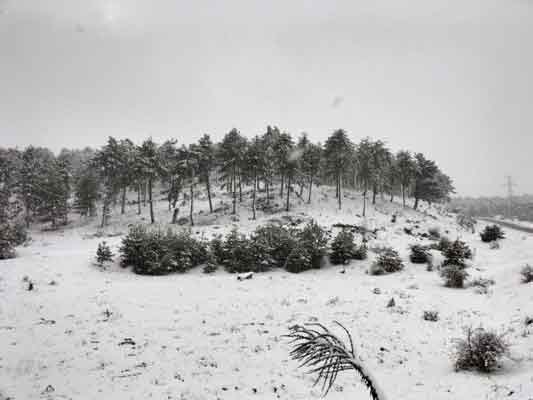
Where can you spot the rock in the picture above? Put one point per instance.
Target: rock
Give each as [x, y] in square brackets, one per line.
[391, 303]
[248, 275]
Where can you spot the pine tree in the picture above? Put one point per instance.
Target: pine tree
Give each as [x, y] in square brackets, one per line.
[406, 171]
[103, 254]
[231, 155]
[86, 192]
[150, 169]
[338, 151]
[364, 168]
[206, 164]
[311, 158]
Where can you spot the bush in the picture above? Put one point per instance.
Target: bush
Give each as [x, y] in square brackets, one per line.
[360, 252]
[454, 276]
[480, 350]
[315, 239]
[11, 235]
[211, 264]
[527, 273]
[457, 253]
[273, 244]
[299, 259]
[492, 233]
[152, 252]
[103, 254]
[431, 316]
[342, 248]
[419, 254]
[434, 233]
[482, 284]
[442, 245]
[238, 253]
[387, 262]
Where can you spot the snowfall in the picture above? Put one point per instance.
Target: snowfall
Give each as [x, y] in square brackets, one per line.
[86, 332]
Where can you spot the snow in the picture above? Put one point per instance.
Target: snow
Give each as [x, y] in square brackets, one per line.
[111, 334]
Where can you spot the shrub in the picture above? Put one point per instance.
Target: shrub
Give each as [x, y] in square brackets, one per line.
[315, 239]
[432, 316]
[442, 245]
[152, 252]
[481, 284]
[434, 233]
[103, 254]
[239, 254]
[273, 244]
[419, 254]
[360, 252]
[387, 262]
[480, 350]
[492, 233]
[457, 253]
[11, 235]
[299, 259]
[211, 264]
[342, 248]
[454, 276]
[527, 273]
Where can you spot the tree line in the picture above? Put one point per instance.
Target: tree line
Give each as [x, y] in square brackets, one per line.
[41, 186]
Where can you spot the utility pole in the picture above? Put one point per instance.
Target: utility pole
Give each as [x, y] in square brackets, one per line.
[509, 184]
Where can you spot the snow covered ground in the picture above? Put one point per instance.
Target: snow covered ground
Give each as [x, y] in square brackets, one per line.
[84, 333]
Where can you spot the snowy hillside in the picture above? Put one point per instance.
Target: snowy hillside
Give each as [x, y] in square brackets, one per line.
[88, 333]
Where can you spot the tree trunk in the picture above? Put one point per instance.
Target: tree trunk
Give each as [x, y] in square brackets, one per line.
[416, 203]
[150, 200]
[104, 213]
[144, 194]
[374, 194]
[208, 188]
[281, 187]
[234, 184]
[288, 192]
[310, 189]
[391, 197]
[339, 191]
[364, 202]
[175, 215]
[192, 204]
[240, 188]
[139, 199]
[267, 186]
[123, 204]
[253, 197]
[403, 195]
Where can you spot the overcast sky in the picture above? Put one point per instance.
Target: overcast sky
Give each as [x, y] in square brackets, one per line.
[450, 78]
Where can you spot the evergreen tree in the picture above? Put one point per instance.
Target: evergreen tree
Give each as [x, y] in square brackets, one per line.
[53, 192]
[150, 169]
[231, 155]
[430, 184]
[206, 164]
[364, 167]
[405, 167]
[338, 151]
[86, 192]
[311, 164]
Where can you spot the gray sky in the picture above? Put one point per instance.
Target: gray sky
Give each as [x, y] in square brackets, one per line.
[450, 78]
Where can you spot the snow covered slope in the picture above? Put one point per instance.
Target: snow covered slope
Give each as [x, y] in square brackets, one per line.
[84, 333]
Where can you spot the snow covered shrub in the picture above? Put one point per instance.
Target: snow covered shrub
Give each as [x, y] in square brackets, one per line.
[457, 253]
[11, 235]
[211, 264]
[299, 259]
[152, 252]
[454, 276]
[419, 254]
[238, 253]
[273, 245]
[315, 239]
[387, 262]
[492, 233]
[216, 245]
[480, 350]
[342, 248]
[527, 273]
[360, 252]
[103, 254]
[431, 316]
[442, 245]
[481, 284]
[434, 233]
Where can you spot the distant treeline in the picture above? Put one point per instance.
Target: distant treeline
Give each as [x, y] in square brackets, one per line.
[519, 207]
[36, 184]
